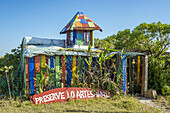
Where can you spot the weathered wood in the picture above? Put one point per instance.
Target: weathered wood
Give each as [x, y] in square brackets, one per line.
[143, 76]
[138, 71]
[130, 74]
[146, 74]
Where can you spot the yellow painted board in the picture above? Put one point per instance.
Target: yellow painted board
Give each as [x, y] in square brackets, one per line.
[138, 70]
[74, 70]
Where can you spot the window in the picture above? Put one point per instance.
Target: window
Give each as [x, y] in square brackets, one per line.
[71, 38]
[86, 37]
[79, 40]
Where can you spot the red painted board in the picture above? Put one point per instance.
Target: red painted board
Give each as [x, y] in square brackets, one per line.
[36, 70]
[64, 94]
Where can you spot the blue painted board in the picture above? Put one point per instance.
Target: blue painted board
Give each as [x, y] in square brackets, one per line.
[124, 73]
[69, 71]
[80, 36]
[31, 75]
[52, 62]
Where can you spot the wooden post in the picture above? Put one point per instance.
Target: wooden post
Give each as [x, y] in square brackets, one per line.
[143, 76]
[146, 74]
[130, 74]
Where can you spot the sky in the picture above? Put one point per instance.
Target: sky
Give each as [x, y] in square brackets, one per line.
[46, 18]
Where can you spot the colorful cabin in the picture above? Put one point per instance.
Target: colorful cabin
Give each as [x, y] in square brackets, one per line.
[70, 67]
[80, 31]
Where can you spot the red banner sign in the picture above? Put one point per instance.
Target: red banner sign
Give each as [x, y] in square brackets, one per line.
[64, 94]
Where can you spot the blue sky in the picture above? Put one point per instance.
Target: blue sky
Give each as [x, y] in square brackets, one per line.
[46, 18]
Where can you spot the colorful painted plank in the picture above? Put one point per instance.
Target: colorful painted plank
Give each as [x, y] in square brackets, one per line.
[52, 63]
[63, 69]
[27, 76]
[74, 70]
[43, 61]
[138, 71]
[92, 38]
[31, 75]
[124, 73]
[57, 69]
[37, 71]
[69, 71]
[130, 74]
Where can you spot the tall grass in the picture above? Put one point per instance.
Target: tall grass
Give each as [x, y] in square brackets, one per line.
[114, 104]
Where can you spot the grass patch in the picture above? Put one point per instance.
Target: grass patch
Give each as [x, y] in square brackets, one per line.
[163, 101]
[114, 104]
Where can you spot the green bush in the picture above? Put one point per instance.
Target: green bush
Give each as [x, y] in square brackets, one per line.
[166, 90]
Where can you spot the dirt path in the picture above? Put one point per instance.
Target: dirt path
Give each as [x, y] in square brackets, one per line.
[149, 102]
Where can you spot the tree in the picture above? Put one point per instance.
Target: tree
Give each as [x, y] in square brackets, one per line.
[9, 60]
[152, 39]
[101, 43]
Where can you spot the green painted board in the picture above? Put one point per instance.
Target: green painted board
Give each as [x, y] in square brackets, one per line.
[57, 69]
[25, 76]
[91, 24]
[92, 38]
[79, 42]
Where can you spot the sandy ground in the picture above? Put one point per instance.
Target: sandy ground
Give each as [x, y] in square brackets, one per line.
[149, 102]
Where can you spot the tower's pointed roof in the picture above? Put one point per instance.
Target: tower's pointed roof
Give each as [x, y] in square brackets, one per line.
[80, 22]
